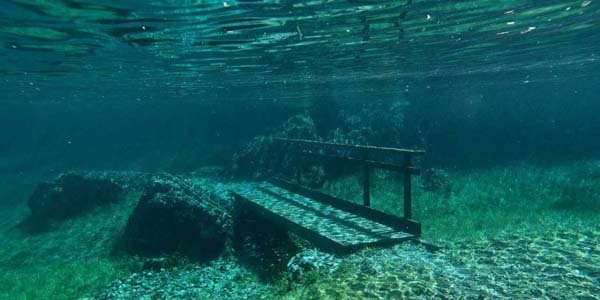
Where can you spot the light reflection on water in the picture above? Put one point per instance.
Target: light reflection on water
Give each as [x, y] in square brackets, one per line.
[185, 48]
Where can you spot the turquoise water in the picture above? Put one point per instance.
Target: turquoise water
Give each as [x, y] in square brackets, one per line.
[502, 96]
[516, 77]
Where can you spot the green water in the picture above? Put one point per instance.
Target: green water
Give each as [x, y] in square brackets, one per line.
[502, 96]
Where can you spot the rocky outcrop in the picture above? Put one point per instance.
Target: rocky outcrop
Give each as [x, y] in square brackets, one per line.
[254, 158]
[128, 180]
[71, 194]
[309, 262]
[376, 123]
[174, 216]
[261, 157]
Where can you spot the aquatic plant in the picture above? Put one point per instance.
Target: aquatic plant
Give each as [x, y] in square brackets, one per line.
[492, 221]
[69, 261]
[484, 202]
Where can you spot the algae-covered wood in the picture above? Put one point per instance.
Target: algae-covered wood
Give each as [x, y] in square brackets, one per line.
[321, 223]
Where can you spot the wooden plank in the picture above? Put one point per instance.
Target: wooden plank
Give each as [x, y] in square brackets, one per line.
[371, 163]
[361, 147]
[407, 189]
[329, 227]
[323, 242]
[367, 157]
[399, 223]
[366, 186]
[342, 216]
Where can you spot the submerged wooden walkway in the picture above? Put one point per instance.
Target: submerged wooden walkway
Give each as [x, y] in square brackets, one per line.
[332, 223]
[327, 226]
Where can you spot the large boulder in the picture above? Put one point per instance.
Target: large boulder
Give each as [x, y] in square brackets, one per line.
[173, 216]
[255, 159]
[261, 157]
[71, 194]
[375, 123]
[128, 180]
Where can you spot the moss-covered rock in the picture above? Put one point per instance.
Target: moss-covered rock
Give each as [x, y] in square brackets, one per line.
[302, 266]
[71, 194]
[172, 216]
[261, 157]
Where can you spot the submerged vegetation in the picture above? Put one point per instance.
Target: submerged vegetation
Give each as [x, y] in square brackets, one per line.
[553, 211]
[522, 264]
[501, 95]
[69, 259]
[483, 203]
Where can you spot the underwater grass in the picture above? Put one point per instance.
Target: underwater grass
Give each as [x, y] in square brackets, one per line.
[513, 232]
[68, 260]
[524, 264]
[74, 259]
[485, 202]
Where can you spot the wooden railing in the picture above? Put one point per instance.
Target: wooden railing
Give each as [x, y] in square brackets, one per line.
[366, 157]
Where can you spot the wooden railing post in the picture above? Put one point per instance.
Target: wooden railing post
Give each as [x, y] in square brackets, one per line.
[363, 159]
[366, 185]
[366, 179]
[298, 175]
[407, 186]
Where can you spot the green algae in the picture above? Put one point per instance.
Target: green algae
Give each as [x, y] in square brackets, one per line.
[67, 261]
[521, 264]
[501, 228]
[485, 202]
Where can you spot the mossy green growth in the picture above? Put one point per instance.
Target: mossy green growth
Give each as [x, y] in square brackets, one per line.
[490, 222]
[485, 202]
[68, 260]
[512, 232]
[519, 265]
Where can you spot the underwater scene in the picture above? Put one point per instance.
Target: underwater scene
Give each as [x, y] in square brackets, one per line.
[310, 149]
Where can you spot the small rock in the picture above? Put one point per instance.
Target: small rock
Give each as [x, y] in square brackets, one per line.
[309, 261]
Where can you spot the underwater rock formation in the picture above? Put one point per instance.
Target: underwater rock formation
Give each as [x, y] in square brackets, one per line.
[128, 180]
[171, 216]
[71, 194]
[379, 123]
[376, 123]
[254, 159]
[261, 158]
[308, 262]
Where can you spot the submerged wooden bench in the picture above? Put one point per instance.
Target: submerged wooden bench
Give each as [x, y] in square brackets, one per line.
[331, 223]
